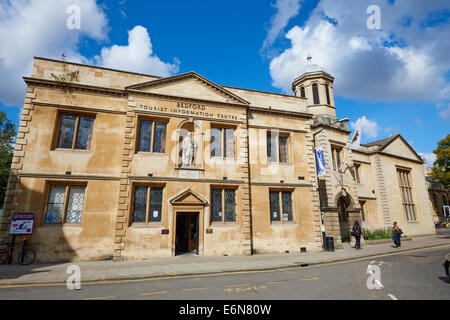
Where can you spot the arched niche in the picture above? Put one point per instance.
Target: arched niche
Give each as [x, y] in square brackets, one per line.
[193, 127]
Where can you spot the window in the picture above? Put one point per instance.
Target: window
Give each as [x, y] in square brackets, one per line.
[75, 132]
[327, 91]
[302, 92]
[404, 180]
[336, 157]
[65, 204]
[152, 136]
[357, 172]
[223, 200]
[147, 204]
[363, 210]
[280, 202]
[315, 89]
[222, 142]
[277, 147]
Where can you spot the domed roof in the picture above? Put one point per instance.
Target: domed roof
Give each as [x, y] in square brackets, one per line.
[311, 67]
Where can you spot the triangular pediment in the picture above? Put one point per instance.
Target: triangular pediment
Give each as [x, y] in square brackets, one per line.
[188, 85]
[399, 147]
[188, 197]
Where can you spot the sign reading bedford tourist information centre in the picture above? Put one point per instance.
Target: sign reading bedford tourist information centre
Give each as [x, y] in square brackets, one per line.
[188, 109]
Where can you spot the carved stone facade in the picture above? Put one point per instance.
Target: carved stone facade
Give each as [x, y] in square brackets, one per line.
[251, 187]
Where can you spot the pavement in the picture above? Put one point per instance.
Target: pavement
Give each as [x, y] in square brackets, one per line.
[187, 264]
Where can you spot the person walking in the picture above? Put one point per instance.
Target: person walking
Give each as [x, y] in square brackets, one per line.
[397, 234]
[357, 233]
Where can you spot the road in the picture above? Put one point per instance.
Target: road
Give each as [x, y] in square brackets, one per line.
[413, 275]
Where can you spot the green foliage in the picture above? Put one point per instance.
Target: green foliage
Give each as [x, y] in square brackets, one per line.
[441, 167]
[378, 234]
[7, 134]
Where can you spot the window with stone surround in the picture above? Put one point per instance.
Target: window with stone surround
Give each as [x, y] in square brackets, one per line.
[327, 91]
[336, 157]
[152, 136]
[223, 200]
[65, 203]
[147, 204]
[75, 131]
[315, 90]
[405, 183]
[222, 142]
[280, 206]
[363, 210]
[277, 147]
[357, 172]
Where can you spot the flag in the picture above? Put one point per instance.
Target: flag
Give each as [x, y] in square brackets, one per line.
[320, 162]
[356, 140]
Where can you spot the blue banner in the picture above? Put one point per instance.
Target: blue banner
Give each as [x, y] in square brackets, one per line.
[320, 161]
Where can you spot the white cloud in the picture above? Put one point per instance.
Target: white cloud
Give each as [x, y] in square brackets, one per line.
[429, 158]
[444, 111]
[137, 56]
[286, 10]
[38, 28]
[404, 60]
[369, 128]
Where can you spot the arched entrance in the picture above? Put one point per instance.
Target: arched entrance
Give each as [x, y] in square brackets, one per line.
[343, 205]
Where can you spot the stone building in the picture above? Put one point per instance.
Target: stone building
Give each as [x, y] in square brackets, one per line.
[121, 165]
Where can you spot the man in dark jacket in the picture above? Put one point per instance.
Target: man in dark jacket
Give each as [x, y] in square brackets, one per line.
[357, 233]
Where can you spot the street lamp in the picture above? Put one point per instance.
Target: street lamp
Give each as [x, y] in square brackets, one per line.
[322, 215]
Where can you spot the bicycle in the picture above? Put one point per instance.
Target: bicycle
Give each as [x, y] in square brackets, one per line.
[25, 256]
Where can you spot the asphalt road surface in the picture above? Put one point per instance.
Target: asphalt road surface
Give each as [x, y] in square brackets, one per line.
[417, 274]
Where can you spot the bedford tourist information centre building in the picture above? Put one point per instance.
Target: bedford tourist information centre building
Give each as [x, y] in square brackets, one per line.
[120, 165]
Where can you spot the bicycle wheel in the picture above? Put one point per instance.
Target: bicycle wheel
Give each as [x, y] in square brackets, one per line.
[4, 254]
[26, 256]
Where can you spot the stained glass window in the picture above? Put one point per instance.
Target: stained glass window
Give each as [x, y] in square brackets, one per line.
[155, 204]
[230, 205]
[216, 205]
[274, 205]
[75, 206]
[216, 142]
[84, 134]
[66, 131]
[286, 204]
[141, 198]
[159, 144]
[57, 211]
[140, 204]
[145, 136]
[55, 205]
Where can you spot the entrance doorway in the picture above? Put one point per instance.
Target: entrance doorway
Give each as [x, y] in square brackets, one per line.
[343, 220]
[186, 239]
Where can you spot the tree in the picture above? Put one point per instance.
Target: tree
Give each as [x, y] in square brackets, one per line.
[441, 167]
[7, 134]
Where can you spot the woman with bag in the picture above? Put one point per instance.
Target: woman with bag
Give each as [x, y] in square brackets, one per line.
[397, 235]
[357, 233]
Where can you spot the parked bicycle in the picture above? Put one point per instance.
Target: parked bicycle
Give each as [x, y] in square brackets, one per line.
[25, 256]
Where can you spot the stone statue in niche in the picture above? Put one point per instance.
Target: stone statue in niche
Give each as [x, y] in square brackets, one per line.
[188, 149]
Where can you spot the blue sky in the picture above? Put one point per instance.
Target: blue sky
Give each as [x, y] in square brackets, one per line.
[396, 76]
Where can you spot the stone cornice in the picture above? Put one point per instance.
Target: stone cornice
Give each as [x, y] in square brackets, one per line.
[281, 112]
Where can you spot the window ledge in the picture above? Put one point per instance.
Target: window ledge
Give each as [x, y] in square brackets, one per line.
[60, 225]
[71, 150]
[144, 153]
[138, 225]
[287, 223]
[224, 224]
